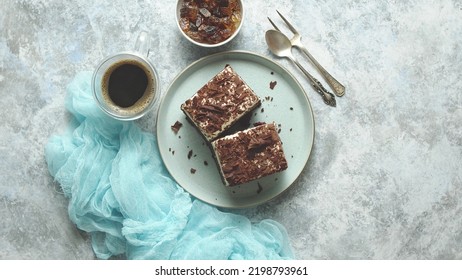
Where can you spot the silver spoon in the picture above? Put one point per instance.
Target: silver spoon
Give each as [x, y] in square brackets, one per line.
[280, 45]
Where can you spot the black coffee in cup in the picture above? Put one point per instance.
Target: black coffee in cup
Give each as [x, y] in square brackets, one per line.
[128, 84]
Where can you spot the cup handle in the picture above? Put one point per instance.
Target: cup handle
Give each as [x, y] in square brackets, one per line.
[142, 44]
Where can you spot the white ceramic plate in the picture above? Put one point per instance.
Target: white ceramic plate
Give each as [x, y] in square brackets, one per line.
[189, 159]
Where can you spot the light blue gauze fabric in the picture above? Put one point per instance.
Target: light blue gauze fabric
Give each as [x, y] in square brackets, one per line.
[120, 192]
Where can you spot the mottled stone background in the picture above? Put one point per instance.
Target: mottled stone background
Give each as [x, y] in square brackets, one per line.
[385, 177]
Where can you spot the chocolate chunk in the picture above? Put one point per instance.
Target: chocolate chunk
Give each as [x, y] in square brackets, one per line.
[176, 126]
[273, 84]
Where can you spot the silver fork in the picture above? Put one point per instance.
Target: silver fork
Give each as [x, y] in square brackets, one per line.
[296, 41]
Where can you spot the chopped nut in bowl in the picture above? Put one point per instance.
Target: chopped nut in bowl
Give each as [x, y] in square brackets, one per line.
[209, 23]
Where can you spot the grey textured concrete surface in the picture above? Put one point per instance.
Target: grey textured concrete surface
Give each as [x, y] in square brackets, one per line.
[384, 180]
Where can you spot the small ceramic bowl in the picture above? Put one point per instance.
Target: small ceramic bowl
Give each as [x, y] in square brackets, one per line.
[201, 15]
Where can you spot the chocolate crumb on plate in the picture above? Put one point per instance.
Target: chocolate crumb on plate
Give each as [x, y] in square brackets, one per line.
[192, 170]
[273, 84]
[190, 153]
[176, 126]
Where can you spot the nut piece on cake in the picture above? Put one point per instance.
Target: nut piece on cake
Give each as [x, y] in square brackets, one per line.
[220, 103]
[250, 154]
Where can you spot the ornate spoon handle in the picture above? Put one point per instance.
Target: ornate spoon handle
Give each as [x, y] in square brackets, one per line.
[338, 88]
[327, 97]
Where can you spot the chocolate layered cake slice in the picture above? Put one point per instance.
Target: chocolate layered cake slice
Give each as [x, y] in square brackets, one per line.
[250, 154]
[220, 103]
